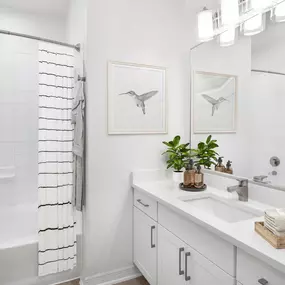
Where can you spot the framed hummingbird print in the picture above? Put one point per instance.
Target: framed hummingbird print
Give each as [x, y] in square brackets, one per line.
[214, 102]
[136, 99]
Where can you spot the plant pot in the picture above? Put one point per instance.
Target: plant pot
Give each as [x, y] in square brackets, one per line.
[177, 177]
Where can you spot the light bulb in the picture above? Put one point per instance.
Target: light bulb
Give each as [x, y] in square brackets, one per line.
[205, 25]
[254, 25]
[260, 4]
[230, 12]
[227, 38]
[279, 12]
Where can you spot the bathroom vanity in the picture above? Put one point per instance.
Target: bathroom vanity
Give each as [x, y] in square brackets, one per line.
[200, 238]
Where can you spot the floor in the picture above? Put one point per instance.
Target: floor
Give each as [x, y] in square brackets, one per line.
[137, 281]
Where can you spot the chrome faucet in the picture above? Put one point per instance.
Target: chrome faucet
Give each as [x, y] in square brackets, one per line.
[241, 189]
[260, 179]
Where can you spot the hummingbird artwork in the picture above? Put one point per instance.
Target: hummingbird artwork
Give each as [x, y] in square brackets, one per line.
[214, 102]
[140, 99]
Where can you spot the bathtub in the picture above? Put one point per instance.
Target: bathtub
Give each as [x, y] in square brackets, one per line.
[18, 225]
[19, 248]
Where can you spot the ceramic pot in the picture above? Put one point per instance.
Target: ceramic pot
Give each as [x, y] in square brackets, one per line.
[177, 176]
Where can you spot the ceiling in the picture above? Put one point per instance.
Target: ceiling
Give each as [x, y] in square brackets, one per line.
[50, 7]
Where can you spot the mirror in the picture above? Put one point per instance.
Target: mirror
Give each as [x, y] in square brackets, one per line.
[238, 97]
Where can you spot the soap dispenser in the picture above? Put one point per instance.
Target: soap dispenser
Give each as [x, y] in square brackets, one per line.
[229, 169]
[199, 177]
[189, 174]
[220, 167]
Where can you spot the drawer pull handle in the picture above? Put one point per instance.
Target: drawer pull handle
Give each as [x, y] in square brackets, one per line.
[181, 272]
[263, 281]
[140, 201]
[187, 254]
[152, 245]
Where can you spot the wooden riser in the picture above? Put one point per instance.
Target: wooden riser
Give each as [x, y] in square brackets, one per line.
[275, 241]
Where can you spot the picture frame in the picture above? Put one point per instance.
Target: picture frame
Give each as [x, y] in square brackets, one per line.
[137, 99]
[213, 100]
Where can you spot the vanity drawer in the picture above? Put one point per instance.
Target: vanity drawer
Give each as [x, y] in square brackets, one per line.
[252, 271]
[217, 250]
[145, 204]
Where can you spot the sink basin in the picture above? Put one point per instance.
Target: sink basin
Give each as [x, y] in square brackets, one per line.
[223, 210]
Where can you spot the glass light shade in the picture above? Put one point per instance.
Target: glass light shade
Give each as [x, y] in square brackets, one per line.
[228, 37]
[260, 4]
[230, 11]
[279, 12]
[254, 25]
[205, 25]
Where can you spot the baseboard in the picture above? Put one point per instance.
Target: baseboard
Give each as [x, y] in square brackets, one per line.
[112, 277]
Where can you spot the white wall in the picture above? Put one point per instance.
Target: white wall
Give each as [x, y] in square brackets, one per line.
[234, 60]
[158, 33]
[40, 25]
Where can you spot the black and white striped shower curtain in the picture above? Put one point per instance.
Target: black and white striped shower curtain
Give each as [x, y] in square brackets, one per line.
[57, 235]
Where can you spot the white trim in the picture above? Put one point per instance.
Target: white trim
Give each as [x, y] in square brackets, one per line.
[112, 277]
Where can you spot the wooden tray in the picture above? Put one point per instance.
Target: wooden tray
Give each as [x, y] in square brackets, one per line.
[275, 241]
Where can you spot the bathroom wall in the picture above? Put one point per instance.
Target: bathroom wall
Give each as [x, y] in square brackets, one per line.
[158, 33]
[234, 60]
[37, 23]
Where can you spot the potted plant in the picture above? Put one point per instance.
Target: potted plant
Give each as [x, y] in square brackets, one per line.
[178, 155]
[206, 155]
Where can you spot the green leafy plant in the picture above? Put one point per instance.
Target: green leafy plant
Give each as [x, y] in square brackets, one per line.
[206, 154]
[178, 154]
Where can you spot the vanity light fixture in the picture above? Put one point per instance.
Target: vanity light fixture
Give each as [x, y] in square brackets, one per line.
[279, 13]
[205, 25]
[229, 12]
[254, 26]
[260, 5]
[249, 15]
[227, 38]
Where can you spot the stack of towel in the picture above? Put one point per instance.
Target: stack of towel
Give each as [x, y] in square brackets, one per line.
[275, 221]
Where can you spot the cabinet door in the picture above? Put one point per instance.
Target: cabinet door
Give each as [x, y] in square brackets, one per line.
[170, 258]
[201, 271]
[145, 245]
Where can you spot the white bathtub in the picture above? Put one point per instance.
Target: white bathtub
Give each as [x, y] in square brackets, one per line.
[19, 248]
[18, 225]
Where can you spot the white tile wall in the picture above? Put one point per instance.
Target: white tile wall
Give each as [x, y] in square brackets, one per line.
[18, 119]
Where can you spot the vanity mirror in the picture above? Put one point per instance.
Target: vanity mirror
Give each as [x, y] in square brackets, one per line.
[238, 96]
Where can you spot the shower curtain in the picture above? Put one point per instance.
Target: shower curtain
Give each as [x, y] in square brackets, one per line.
[57, 235]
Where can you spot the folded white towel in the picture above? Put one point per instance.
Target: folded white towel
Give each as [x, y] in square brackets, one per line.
[270, 228]
[277, 218]
[272, 225]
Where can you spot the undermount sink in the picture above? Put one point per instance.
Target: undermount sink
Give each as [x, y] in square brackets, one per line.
[223, 210]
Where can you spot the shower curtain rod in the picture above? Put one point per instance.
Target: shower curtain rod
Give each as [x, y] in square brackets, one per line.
[267, 71]
[5, 32]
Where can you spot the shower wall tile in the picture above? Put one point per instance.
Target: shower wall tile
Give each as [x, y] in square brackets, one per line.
[19, 119]
[26, 72]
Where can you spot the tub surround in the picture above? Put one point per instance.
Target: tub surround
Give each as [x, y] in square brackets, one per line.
[158, 187]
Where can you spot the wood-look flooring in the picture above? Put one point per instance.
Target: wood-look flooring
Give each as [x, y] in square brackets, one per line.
[137, 281]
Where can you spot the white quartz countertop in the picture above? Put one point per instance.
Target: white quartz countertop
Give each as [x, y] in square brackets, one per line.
[241, 234]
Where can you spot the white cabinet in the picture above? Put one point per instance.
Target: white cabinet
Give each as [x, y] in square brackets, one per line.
[146, 204]
[251, 271]
[145, 245]
[217, 250]
[171, 262]
[179, 264]
[201, 271]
